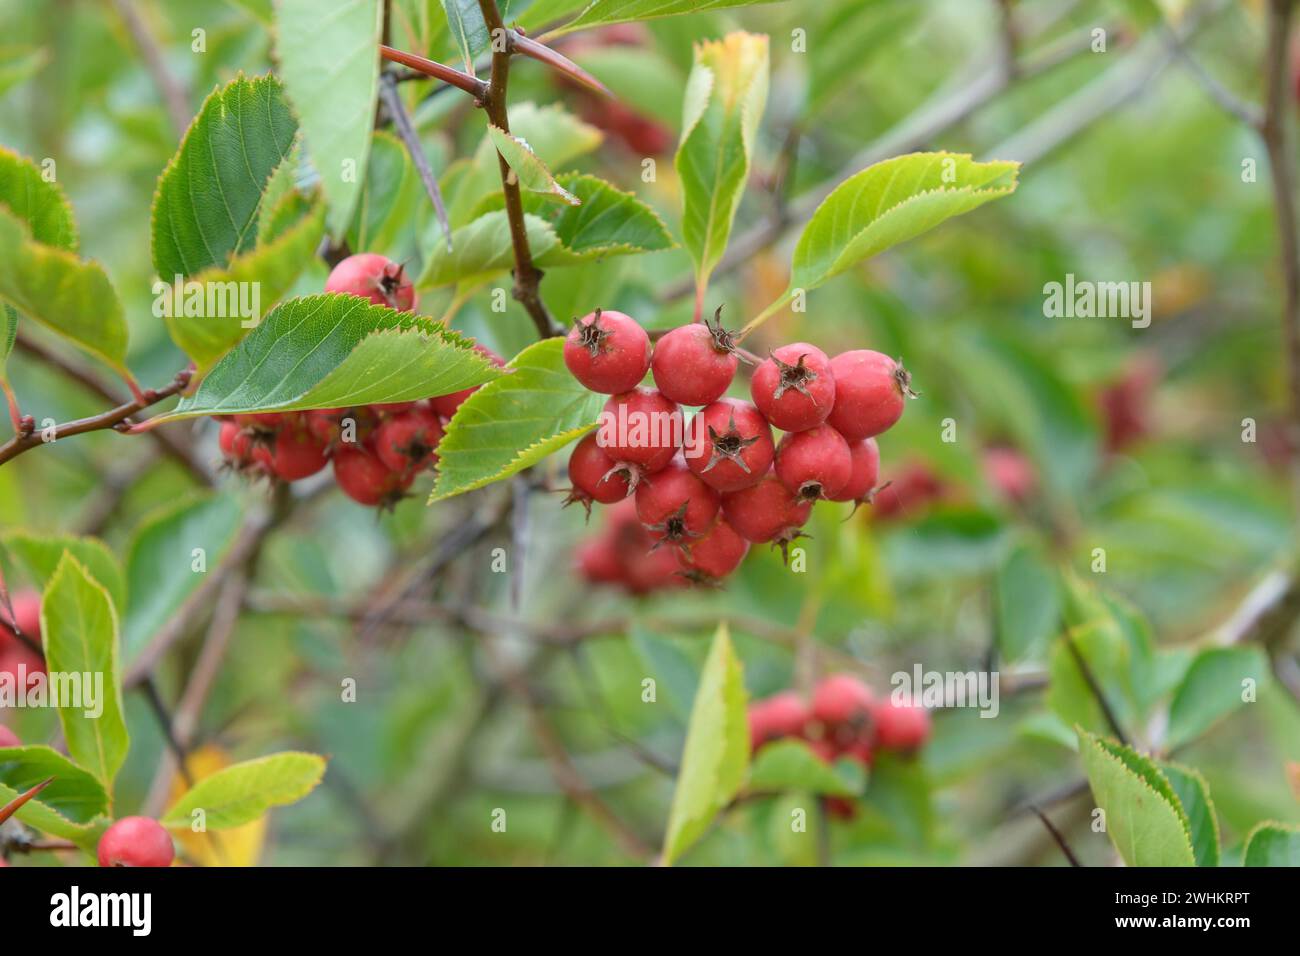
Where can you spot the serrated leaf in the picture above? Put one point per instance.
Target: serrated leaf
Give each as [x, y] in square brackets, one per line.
[75, 797]
[482, 249]
[468, 29]
[1272, 844]
[1144, 819]
[36, 201]
[330, 65]
[725, 97]
[161, 561]
[334, 350]
[1212, 689]
[39, 555]
[594, 13]
[790, 765]
[716, 755]
[609, 222]
[1028, 603]
[528, 166]
[243, 792]
[1194, 796]
[208, 200]
[515, 421]
[79, 630]
[71, 296]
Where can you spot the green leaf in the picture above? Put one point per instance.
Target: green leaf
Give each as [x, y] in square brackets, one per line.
[483, 249]
[672, 669]
[209, 198]
[725, 96]
[1028, 603]
[333, 350]
[1144, 819]
[1212, 689]
[75, 797]
[609, 222]
[515, 421]
[161, 563]
[1271, 844]
[716, 755]
[1194, 795]
[79, 628]
[242, 793]
[17, 66]
[330, 65]
[468, 29]
[1069, 695]
[391, 191]
[528, 166]
[38, 202]
[791, 765]
[596, 13]
[70, 296]
[39, 557]
[8, 336]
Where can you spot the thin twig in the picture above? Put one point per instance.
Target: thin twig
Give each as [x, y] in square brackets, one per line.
[1095, 689]
[439, 71]
[174, 95]
[1056, 835]
[393, 100]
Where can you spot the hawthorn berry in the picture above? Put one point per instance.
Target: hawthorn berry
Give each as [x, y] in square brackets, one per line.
[694, 364]
[676, 506]
[408, 442]
[870, 392]
[1011, 473]
[294, 453]
[597, 477]
[374, 277]
[607, 352]
[640, 427]
[446, 405]
[654, 570]
[367, 480]
[781, 715]
[794, 388]
[235, 443]
[842, 700]
[729, 445]
[914, 487]
[814, 464]
[767, 511]
[8, 738]
[715, 555]
[598, 561]
[863, 472]
[901, 727]
[136, 841]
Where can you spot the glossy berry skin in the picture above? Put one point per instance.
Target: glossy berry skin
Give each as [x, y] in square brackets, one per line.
[840, 700]
[136, 841]
[408, 442]
[447, 405]
[864, 470]
[714, 556]
[295, 454]
[365, 479]
[901, 727]
[675, 505]
[870, 392]
[374, 277]
[8, 738]
[641, 427]
[794, 388]
[729, 445]
[767, 511]
[814, 464]
[692, 366]
[607, 352]
[781, 715]
[597, 476]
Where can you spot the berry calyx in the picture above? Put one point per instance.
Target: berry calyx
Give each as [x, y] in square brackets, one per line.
[814, 464]
[597, 477]
[863, 471]
[408, 442]
[676, 506]
[374, 277]
[712, 557]
[607, 352]
[767, 511]
[781, 715]
[365, 479]
[794, 388]
[729, 445]
[871, 390]
[136, 841]
[694, 364]
[640, 427]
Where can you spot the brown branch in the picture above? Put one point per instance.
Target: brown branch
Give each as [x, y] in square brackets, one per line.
[439, 71]
[393, 100]
[1056, 836]
[1095, 689]
[527, 276]
[174, 95]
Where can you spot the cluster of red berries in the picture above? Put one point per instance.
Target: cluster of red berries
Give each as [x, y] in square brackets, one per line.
[844, 719]
[712, 486]
[376, 450]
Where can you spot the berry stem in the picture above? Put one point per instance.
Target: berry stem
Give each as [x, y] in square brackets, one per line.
[763, 316]
[439, 71]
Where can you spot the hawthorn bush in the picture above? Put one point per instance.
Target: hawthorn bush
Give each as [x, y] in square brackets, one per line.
[917, 369]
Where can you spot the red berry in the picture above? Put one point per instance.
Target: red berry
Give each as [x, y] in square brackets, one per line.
[914, 487]
[653, 571]
[729, 445]
[27, 615]
[607, 352]
[235, 443]
[841, 700]
[1011, 473]
[136, 841]
[374, 277]
[901, 727]
[675, 505]
[640, 427]
[295, 453]
[446, 405]
[408, 442]
[781, 715]
[261, 421]
[365, 479]
[794, 388]
[864, 470]
[694, 364]
[841, 808]
[870, 391]
[323, 424]
[714, 556]
[596, 476]
[814, 464]
[767, 511]
[597, 560]
[392, 408]
[8, 738]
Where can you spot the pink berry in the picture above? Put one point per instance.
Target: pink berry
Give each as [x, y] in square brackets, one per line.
[901, 727]
[8, 738]
[814, 464]
[865, 470]
[794, 388]
[374, 277]
[694, 364]
[842, 699]
[781, 715]
[729, 445]
[675, 505]
[136, 841]
[596, 476]
[767, 511]
[597, 561]
[870, 391]
[715, 555]
[608, 352]
[641, 427]
[27, 615]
